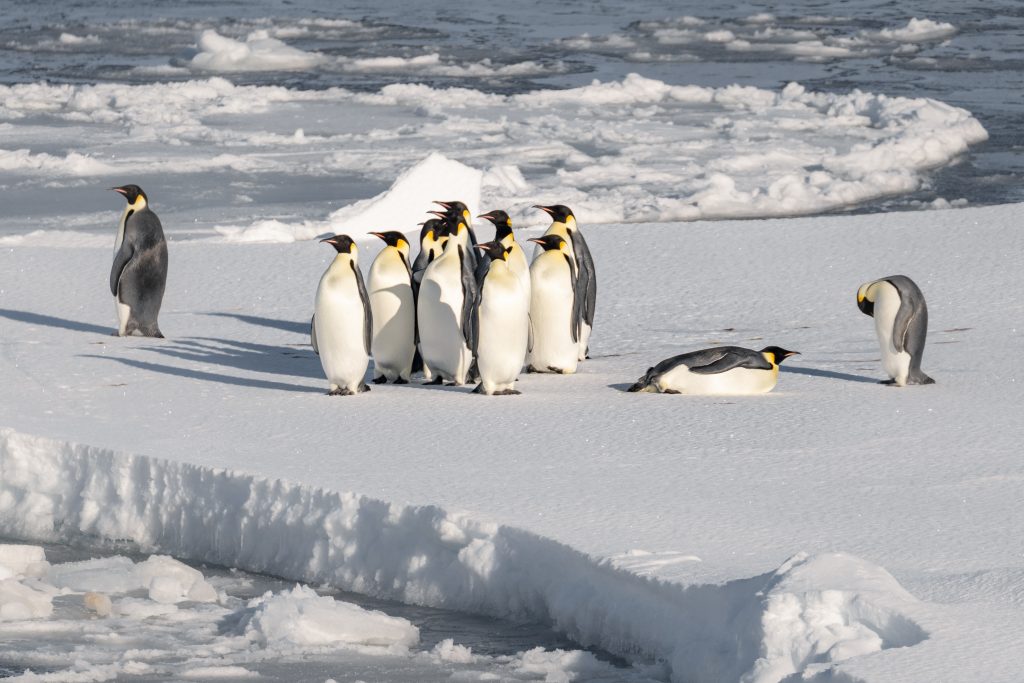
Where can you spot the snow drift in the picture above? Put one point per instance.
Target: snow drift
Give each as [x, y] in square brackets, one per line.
[810, 611]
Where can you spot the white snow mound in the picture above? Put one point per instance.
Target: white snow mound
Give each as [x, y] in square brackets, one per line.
[301, 617]
[435, 178]
[259, 52]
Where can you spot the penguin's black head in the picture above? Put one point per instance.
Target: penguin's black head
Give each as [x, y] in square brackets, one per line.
[452, 224]
[343, 243]
[502, 223]
[131, 193]
[866, 305]
[778, 354]
[550, 242]
[558, 212]
[434, 224]
[496, 250]
[392, 238]
[453, 207]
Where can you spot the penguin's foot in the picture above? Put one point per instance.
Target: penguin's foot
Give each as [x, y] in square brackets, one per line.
[557, 371]
[531, 370]
[400, 381]
[454, 384]
[339, 391]
[380, 380]
[363, 388]
[670, 391]
[888, 382]
[479, 389]
[436, 380]
[508, 392]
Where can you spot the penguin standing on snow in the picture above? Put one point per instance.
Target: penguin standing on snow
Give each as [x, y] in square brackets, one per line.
[563, 222]
[554, 297]
[433, 235]
[901, 322]
[517, 257]
[445, 306]
[394, 310]
[342, 325]
[138, 275]
[501, 321]
[717, 371]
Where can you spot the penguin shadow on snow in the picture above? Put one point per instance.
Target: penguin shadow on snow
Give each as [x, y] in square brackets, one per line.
[274, 323]
[830, 374]
[242, 355]
[191, 373]
[53, 321]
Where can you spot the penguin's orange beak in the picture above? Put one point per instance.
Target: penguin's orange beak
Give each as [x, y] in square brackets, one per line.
[545, 209]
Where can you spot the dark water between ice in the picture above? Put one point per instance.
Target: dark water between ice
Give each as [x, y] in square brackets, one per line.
[484, 635]
[980, 67]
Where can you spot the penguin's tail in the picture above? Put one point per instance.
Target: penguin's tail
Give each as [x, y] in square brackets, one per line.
[645, 383]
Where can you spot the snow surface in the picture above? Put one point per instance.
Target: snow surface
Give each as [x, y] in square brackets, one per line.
[833, 529]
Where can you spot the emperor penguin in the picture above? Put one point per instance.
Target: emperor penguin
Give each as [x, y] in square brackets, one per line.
[517, 256]
[394, 311]
[901, 322]
[554, 296]
[501, 321]
[138, 275]
[342, 326]
[723, 370]
[444, 309]
[433, 235]
[563, 222]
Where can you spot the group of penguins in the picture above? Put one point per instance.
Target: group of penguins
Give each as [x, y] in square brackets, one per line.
[464, 311]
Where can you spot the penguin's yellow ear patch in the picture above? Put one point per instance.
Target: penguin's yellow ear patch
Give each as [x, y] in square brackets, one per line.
[401, 244]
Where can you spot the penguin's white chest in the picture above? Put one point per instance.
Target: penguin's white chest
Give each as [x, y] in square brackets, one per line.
[731, 382]
[339, 326]
[503, 329]
[887, 305]
[394, 317]
[551, 314]
[520, 268]
[440, 318]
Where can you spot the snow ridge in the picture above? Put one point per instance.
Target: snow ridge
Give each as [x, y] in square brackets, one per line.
[812, 612]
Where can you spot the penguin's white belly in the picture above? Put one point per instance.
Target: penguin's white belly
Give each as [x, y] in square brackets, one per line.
[440, 321]
[735, 381]
[551, 316]
[394, 322]
[520, 268]
[503, 328]
[339, 332]
[124, 312]
[887, 305]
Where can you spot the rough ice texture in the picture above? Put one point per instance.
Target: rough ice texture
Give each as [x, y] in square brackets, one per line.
[258, 52]
[649, 151]
[653, 525]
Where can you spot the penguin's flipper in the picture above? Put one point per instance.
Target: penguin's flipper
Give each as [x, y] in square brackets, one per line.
[312, 335]
[470, 292]
[587, 277]
[364, 297]
[576, 318]
[121, 259]
[731, 359]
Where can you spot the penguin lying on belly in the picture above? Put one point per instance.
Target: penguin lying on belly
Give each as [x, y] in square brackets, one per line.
[723, 370]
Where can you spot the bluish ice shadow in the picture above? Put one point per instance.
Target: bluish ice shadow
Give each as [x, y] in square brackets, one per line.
[275, 323]
[54, 321]
[212, 376]
[831, 374]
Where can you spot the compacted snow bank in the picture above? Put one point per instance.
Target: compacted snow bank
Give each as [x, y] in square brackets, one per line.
[810, 611]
